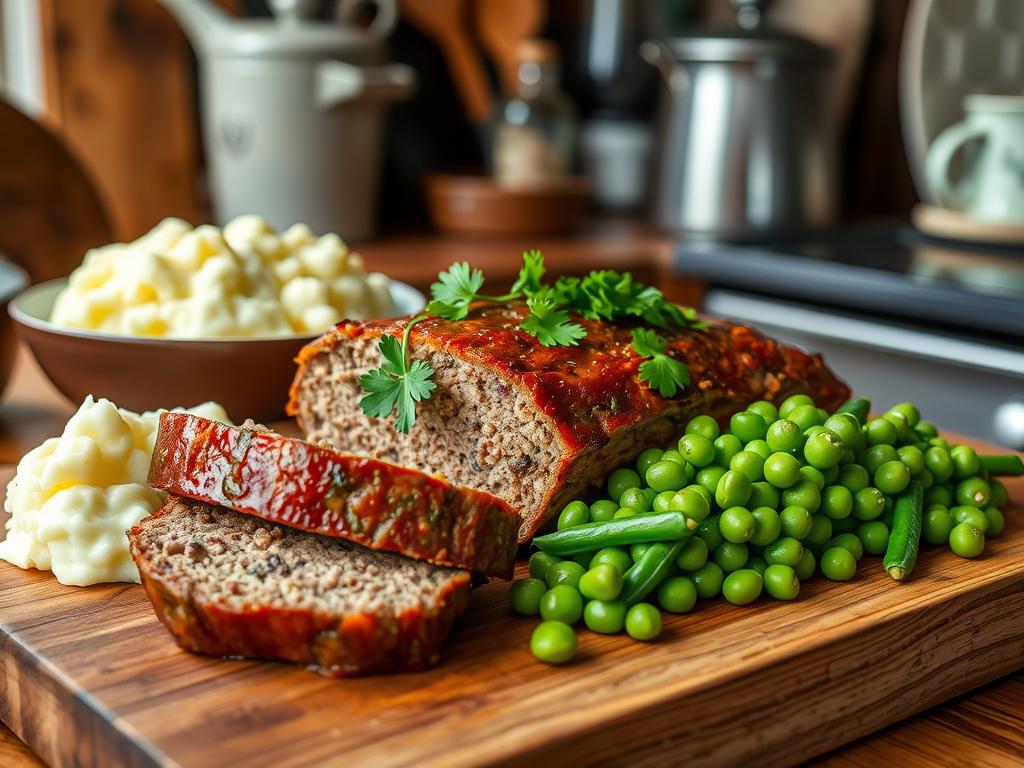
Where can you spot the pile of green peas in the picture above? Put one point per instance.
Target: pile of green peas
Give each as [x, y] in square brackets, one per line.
[785, 493]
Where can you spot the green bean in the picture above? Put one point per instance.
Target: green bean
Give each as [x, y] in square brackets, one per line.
[858, 406]
[901, 552]
[649, 571]
[1007, 465]
[641, 529]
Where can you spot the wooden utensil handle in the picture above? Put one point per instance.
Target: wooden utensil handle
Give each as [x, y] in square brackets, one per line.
[470, 78]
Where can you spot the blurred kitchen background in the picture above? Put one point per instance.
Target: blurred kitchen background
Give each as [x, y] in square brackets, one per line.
[846, 174]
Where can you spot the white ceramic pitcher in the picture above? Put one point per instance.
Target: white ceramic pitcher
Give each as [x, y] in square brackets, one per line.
[293, 112]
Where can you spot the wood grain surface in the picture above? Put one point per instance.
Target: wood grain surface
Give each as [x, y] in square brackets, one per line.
[88, 677]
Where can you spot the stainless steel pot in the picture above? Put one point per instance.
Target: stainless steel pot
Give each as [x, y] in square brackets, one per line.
[747, 147]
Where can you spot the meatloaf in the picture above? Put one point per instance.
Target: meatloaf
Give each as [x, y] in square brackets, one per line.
[227, 584]
[536, 425]
[317, 489]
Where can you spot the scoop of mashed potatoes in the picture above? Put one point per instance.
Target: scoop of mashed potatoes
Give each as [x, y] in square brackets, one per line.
[73, 497]
[243, 281]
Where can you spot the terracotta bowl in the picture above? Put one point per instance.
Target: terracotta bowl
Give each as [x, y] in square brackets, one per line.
[249, 377]
[467, 204]
[13, 281]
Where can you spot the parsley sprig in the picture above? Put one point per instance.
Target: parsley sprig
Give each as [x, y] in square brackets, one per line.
[396, 386]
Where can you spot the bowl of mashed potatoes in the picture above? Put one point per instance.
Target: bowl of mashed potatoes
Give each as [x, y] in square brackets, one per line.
[189, 314]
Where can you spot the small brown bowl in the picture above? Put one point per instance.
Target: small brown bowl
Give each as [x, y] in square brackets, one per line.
[13, 280]
[250, 377]
[465, 204]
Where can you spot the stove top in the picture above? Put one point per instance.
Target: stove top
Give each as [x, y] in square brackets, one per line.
[884, 270]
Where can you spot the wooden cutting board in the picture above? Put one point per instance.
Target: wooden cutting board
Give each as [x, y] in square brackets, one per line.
[88, 677]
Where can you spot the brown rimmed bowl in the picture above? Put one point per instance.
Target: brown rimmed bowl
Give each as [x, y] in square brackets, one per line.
[250, 377]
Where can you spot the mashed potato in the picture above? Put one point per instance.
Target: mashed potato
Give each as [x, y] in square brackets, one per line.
[196, 283]
[74, 496]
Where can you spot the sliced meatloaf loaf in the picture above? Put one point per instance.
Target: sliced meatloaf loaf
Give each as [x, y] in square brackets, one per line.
[227, 584]
[315, 488]
[537, 425]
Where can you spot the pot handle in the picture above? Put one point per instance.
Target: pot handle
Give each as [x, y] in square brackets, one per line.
[338, 82]
[383, 22]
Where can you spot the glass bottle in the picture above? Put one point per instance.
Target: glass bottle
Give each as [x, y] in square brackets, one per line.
[534, 132]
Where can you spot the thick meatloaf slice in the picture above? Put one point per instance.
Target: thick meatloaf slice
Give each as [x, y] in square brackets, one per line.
[535, 425]
[317, 489]
[227, 584]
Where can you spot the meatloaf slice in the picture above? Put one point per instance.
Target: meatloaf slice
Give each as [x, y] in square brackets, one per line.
[535, 425]
[227, 584]
[317, 489]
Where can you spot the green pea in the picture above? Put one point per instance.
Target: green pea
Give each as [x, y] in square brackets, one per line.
[967, 540]
[999, 496]
[868, 504]
[574, 513]
[936, 525]
[844, 525]
[758, 564]
[602, 582]
[781, 582]
[938, 461]
[708, 532]
[748, 426]
[736, 524]
[693, 555]
[940, 442]
[620, 480]
[972, 515]
[524, 596]
[853, 477]
[823, 449]
[898, 420]
[733, 490]
[808, 565]
[838, 564]
[792, 402]
[767, 526]
[912, 459]
[764, 494]
[677, 595]
[926, 430]
[663, 501]
[965, 462]
[690, 503]
[561, 603]
[830, 475]
[666, 476]
[742, 587]
[672, 454]
[973, 491]
[938, 494]
[703, 425]
[565, 572]
[785, 436]
[635, 498]
[785, 551]
[730, 556]
[540, 562]
[616, 557]
[846, 427]
[765, 410]
[880, 432]
[605, 617]
[804, 494]
[795, 522]
[646, 458]
[805, 417]
[603, 510]
[813, 474]
[878, 455]
[849, 457]
[637, 551]
[698, 488]
[760, 447]
[625, 512]
[750, 464]
[996, 522]
[708, 580]
[836, 502]
[892, 477]
[849, 542]
[726, 446]
[643, 622]
[553, 642]
[909, 411]
[926, 479]
[709, 477]
[782, 470]
[874, 535]
[697, 449]
[820, 533]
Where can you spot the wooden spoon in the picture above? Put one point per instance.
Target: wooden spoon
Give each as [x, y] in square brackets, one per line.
[501, 24]
[446, 22]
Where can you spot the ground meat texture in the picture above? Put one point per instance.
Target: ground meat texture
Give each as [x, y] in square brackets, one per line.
[329, 604]
[533, 425]
[317, 489]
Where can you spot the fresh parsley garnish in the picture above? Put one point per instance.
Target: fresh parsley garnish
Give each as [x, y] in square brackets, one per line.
[661, 372]
[396, 386]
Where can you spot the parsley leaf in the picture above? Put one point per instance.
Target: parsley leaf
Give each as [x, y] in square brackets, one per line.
[550, 324]
[530, 274]
[456, 289]
[661, 372]
[395, 386]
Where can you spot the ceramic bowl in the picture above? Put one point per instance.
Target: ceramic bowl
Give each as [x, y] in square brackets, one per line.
[13, 281]
[250, 377]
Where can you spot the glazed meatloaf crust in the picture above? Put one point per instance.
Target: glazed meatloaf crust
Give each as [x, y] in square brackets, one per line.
[317, 489]
[536, 425]
[227, 584]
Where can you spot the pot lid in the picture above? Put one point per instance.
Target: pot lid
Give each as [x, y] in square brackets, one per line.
[716, 44]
